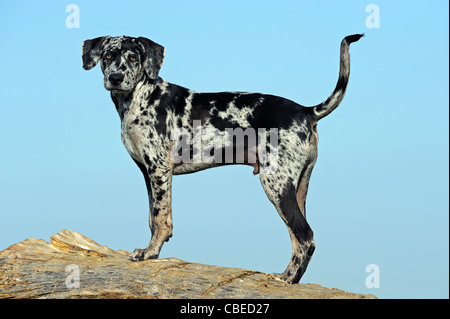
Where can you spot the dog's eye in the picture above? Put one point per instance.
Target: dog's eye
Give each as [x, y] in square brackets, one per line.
[132, 58]
[108, 57]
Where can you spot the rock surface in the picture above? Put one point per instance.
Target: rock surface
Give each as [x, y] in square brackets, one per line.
[74, 266]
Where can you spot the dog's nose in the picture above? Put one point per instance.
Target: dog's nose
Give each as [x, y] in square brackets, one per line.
[116, 78]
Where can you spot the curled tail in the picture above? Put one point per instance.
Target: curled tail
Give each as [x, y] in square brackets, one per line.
[332, 102]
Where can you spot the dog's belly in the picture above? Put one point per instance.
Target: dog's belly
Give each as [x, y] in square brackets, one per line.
[187, 168]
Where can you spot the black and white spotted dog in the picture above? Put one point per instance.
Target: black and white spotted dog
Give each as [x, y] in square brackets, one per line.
[151, 109]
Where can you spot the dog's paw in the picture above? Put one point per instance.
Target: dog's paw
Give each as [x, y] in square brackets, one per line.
[142, 254]
[278, 276]
[284, 277]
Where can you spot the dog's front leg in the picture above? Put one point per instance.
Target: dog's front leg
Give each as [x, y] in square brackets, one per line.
[159, 186]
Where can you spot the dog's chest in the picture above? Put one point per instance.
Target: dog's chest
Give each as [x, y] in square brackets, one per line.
[128, 138]
[136, 128]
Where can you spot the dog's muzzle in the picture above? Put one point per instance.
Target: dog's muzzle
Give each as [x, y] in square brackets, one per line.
[116, 78]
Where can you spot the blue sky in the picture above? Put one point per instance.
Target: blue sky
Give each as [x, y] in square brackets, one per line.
[378, 193]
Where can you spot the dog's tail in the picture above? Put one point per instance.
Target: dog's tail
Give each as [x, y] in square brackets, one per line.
[332, 102]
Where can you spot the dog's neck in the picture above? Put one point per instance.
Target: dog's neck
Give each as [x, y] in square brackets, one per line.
[122, 100]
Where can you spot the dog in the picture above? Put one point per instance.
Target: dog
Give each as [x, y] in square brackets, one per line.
[151, 109]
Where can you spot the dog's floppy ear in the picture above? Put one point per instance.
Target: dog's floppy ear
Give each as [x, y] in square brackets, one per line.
[91, 50]
[153, 56]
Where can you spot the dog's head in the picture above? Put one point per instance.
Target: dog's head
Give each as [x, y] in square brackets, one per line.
[124, 60]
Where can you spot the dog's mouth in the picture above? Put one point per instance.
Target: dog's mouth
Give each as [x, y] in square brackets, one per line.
[116, 88]
[116, 82]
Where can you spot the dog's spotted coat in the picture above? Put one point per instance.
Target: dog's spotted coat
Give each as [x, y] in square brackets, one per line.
[151, 109]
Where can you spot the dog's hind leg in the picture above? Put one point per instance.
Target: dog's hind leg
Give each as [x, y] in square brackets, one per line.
[303, 183]
[283, 195]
